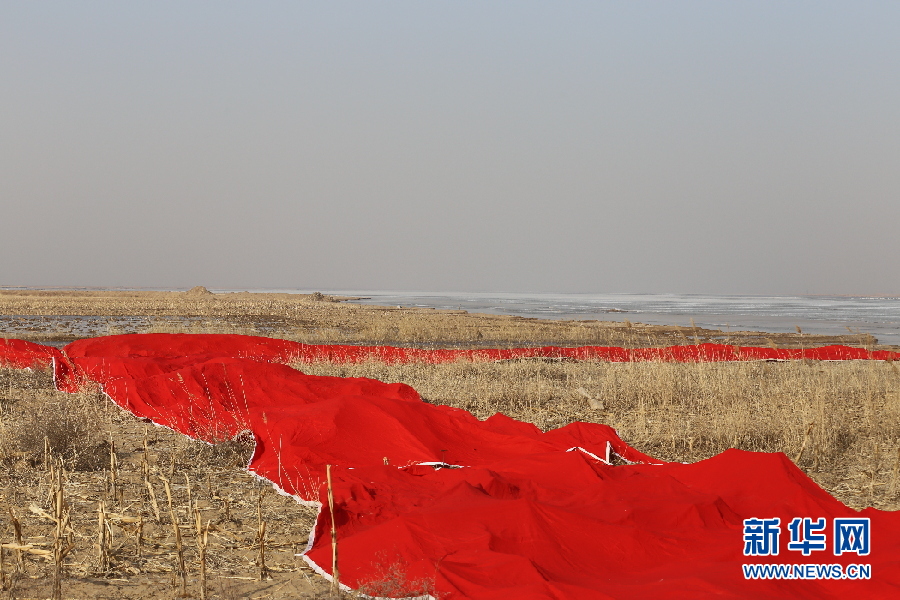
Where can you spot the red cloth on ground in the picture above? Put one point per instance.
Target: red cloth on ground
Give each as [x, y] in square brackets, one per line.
[527, 514]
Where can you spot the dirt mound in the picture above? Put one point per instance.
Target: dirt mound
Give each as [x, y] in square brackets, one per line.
[198, 290]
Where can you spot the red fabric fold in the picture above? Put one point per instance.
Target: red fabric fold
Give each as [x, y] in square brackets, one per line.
[492, 509]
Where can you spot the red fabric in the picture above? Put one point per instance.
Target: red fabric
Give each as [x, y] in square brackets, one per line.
[19, 354]
[164, 349]
[529, 514]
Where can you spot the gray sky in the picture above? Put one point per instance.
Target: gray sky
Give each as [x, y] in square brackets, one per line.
[714, 147]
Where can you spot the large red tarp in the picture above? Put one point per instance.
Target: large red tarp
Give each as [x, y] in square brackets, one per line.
[526, 514]
[20, 354]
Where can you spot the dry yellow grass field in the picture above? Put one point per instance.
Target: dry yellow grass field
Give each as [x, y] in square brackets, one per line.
[839, 421]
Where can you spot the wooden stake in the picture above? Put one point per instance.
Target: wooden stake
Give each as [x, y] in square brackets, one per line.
[335, 574]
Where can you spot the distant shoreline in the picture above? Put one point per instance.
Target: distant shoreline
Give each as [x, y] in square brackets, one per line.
[64, 315]
[330, 291]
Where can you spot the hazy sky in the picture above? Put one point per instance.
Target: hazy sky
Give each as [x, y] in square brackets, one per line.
[716, 147]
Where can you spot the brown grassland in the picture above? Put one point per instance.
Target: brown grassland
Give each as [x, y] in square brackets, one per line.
[83, 485]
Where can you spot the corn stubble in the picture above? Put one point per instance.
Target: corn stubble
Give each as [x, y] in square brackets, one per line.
[95, 513]
[839, 421]
[86, 501]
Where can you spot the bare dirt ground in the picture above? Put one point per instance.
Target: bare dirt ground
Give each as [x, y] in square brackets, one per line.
[839, 421]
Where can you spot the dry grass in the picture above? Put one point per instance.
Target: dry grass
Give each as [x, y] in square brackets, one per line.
[845, 416]
[53, 426]
[138, 554]
[316, 318]
[841, 420]
[122, 540]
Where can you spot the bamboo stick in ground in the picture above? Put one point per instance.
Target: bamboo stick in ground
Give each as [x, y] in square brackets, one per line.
[335, 574]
